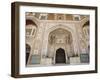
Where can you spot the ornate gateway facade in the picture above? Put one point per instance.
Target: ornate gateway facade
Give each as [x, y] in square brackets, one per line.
[56, 39]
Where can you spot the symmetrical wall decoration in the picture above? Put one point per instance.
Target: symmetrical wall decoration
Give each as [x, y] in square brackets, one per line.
[59, 37]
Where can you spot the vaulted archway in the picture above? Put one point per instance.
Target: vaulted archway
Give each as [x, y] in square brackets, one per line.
[60, 38]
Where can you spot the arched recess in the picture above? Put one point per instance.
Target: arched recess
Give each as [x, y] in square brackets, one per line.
[60, 38]
[31, 33]
[47, 32]
[60, 56]
[28, 50]
[86, 33]
[67, 27]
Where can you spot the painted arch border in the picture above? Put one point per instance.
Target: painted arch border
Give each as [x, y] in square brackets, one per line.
[15, 39]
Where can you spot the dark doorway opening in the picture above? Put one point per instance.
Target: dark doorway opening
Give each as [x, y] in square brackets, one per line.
[60, 56]
[28, 48]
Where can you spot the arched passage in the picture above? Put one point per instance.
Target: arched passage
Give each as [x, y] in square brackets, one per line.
[60, 56]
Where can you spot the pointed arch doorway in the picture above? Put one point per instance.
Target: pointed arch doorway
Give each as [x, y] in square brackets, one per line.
[28, 49]
[60, 56]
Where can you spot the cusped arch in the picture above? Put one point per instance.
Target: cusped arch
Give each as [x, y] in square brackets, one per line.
[52, 28]
[59, 29]
[53, 34]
